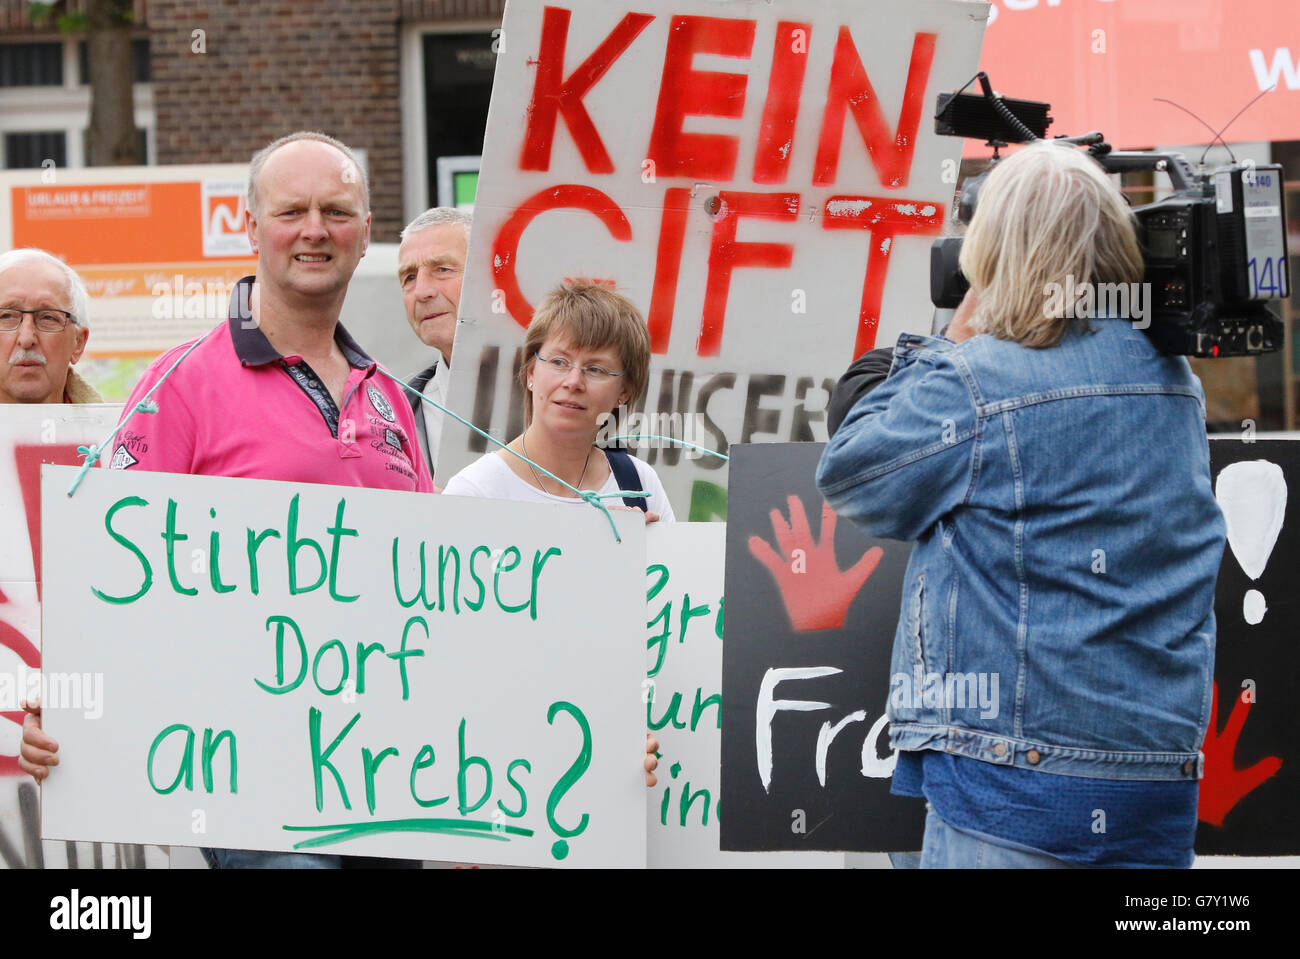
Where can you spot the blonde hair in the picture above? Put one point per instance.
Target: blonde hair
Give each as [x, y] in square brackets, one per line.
[589, 316]
[1045, 213]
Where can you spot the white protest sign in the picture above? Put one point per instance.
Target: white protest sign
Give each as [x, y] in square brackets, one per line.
[763, 180]
[32, 434]
[296, 666]
[683, 694]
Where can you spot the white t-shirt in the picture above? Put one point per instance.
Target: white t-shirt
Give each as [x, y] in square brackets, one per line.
[490, 477]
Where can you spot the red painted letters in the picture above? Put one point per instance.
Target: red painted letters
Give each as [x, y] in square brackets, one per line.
[851, 90]
[553, 94]
[885, 219]
[686, 92]
[506, 247]
[726, 254]
[668, 265]
[784, 87]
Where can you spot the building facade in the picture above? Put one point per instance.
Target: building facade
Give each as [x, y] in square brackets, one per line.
[405, 82]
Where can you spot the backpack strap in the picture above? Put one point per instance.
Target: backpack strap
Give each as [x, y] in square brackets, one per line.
[627, 478]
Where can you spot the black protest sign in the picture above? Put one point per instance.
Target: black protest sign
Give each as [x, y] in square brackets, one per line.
[806, 664]
[811, 609]
[1250, 795]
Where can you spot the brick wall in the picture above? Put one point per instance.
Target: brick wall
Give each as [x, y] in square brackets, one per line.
[431, 10]
[270, 69]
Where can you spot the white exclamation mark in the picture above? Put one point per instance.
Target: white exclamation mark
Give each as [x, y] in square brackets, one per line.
[1252, 496]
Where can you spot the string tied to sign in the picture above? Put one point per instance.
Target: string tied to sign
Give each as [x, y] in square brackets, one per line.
[670, 439]
[93, 452]
[591, 497]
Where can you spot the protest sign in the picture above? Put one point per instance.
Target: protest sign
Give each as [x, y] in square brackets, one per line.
[683, 696]
[762, 180]
[806, 762]
[1251, 788]
[31, 435]
[324, 669]
[786, 685]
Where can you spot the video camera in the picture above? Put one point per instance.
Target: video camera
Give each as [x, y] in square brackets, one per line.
[1214, 249]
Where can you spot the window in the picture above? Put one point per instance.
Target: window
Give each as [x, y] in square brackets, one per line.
[458, 70]
[30, 150]
[31, 64]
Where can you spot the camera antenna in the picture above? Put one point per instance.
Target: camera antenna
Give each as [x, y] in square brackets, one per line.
[1214, 136]
[1218, 136]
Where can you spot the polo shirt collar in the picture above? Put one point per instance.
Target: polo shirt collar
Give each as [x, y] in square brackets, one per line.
[254, 349]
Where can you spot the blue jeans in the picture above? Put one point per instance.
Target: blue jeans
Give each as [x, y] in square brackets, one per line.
[261, 859]
[947, 848]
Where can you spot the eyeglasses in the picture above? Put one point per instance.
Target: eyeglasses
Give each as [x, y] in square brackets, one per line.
[594, 374]
[47, 321]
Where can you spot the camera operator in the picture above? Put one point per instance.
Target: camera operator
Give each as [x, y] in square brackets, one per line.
[1055, 475]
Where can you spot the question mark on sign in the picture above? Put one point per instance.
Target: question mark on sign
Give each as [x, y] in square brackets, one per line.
[560, 848]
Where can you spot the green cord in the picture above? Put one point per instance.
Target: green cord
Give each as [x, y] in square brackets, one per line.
[589, 496]
[92, 453]
[641, 436]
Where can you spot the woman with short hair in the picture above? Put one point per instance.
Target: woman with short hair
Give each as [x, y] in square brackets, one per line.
[586, 357]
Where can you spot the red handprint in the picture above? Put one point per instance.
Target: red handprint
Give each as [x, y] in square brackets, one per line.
[817, 594]
[1224, 784]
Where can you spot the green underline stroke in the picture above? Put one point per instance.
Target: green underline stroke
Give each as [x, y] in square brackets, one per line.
[471, 828]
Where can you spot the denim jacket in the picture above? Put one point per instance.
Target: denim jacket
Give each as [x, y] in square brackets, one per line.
[1058, 609]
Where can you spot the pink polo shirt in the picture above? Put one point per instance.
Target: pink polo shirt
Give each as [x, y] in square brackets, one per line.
[236, 407]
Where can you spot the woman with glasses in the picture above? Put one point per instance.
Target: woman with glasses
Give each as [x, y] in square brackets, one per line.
[586, 355]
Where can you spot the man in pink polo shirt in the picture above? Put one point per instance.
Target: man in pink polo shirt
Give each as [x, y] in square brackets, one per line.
[280, 390]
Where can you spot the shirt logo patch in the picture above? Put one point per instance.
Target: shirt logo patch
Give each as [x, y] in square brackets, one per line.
[122, 458]
[392, 439]
[380, 403]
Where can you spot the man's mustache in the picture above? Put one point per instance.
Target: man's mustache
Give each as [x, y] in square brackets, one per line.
[27, 356]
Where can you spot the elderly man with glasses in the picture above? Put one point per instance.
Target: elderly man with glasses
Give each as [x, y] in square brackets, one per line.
[43, 330]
